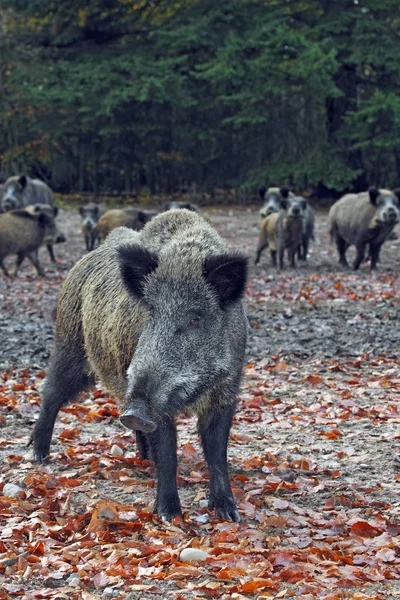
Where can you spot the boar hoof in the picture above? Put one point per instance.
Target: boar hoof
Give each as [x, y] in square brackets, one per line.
[168, 510]
[225, 509]
[132, 420]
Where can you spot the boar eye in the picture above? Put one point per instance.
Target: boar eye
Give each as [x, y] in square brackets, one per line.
[193, 323]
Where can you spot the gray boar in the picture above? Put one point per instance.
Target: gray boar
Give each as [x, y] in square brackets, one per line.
[308, 232]
[157, 316]
[283, 230]
[21, 191]
[272, 199]
[90, 214]
[22, 231]
[365, 219]
[175, 205]
[133, 218]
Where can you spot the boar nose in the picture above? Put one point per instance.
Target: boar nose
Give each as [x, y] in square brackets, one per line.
[296, 210]
[391, 214]
[136, 417]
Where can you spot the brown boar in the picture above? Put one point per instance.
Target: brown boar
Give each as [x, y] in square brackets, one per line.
[22, 231]
[133, 218]
[283, 230]
[364, 220]
[20, 191]
[157, 316]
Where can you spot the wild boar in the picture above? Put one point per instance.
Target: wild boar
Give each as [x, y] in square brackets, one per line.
[133, 218]
[272, 199]
[365, 219]
[21, 191]
[175, 205]
[22, 231]
[283, 230]
[90, 214]
[157, 316]
[308, 232]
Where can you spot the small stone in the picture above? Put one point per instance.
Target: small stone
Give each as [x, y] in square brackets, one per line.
[189, 554]
[74, 579]
[12, 490]
[116, 451]
[110, 592]
[203, 503]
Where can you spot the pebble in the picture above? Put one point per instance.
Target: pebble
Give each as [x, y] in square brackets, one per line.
[189, 554]
[116, 451]
[74, 579]
[110, 592]
[203, 503]
[12, 490]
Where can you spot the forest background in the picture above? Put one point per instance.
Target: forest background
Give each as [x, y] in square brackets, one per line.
[114, 96]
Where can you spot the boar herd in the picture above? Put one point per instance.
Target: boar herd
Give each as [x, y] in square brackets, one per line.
[365, 220]
[154, 311]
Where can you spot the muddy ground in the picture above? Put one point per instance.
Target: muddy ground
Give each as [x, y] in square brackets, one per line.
[323, 348]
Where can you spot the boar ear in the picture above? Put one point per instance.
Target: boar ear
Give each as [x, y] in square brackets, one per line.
[261, 191]
[373, 194]
[304, 203]
[396, 193]
[227, 273]
[141, 216]
[55, 210]
[135, 264]
[285, 191]
[23, 181]
[167, 205]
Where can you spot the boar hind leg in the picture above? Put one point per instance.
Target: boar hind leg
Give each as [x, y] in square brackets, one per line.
[162, 446]
[3, 268]
[68, 375]
[214, 431]
[273, 257]
[342, 247]
[260, 248]
[51, 252]
[33, 257]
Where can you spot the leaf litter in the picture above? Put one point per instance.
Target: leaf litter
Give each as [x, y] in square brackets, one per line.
[313, 452]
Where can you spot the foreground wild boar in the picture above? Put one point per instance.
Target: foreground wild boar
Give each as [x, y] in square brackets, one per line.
[283, 230]
[21, 191]
[23, 230]
[133, 218]
[365, 219]
[272, 199]
[90, 213]
[157, 317]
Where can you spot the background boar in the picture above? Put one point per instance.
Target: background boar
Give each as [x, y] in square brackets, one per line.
[22, 231]
[364, 219]
[90, 214]
[157, 316]
[175, 205]
[21, 191]
[133, 218]
[283, 230]
[308, 232]
[272, 199]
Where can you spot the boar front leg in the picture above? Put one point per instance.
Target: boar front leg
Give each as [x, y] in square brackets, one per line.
[162, 443]
[360, 256]
[374, 251]
[214, 430]
[51, 252]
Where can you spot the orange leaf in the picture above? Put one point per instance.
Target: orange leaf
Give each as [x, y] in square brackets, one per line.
[364, 529]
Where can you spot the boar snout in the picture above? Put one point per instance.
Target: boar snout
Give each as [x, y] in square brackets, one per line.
[391, 215]
[138, 418]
